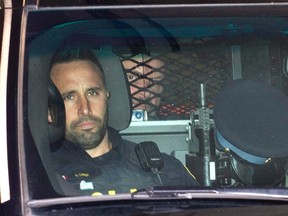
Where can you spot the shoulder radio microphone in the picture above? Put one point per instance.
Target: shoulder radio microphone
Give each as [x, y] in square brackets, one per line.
[150, 158]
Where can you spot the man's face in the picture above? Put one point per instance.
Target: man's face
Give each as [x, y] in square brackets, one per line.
[85, 98]
[143, 82]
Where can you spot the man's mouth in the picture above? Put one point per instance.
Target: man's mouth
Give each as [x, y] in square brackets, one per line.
[86, 125]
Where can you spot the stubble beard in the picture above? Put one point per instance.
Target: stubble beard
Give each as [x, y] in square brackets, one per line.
[87, 139]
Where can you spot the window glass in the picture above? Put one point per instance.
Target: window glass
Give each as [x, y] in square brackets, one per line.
[175, 68]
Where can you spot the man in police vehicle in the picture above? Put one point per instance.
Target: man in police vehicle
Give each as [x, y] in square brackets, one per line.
[93, 159]
[145, 74]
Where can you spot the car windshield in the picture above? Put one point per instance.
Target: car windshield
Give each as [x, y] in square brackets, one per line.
[209, 88]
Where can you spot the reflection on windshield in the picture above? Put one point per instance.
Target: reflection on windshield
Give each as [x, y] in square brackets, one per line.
[207, 91]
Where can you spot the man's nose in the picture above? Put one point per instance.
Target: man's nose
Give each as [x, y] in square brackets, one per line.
[143, 83]
[84, 106]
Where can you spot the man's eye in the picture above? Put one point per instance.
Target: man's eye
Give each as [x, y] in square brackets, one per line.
[68, 97]
[131, 77]
[156, 76]
[93, 93]
[157, 79]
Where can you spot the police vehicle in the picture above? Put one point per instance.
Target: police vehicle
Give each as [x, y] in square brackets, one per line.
[207, 81]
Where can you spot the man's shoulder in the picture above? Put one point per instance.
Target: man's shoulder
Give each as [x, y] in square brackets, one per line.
[170, 160]
[176, 172]
[128, 145]
[67, 153]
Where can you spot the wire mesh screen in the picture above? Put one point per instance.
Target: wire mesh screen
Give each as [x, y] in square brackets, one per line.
[166, 85]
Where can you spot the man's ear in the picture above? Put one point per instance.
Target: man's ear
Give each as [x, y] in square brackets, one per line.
[108, 93]
[50, 121]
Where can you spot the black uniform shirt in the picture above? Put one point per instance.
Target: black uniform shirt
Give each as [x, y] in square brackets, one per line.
[117, 171]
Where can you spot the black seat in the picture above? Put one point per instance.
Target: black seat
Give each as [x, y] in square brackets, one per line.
[40, 52]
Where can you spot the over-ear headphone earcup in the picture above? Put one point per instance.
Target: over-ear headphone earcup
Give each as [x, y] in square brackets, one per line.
[57, 112]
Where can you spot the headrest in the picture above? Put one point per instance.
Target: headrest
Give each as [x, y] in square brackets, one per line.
[119, 107]
[251, 119]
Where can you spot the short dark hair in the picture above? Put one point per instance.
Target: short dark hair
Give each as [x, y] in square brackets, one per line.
[73, 50]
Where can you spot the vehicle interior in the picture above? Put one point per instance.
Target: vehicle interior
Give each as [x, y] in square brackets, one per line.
[208, 86]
